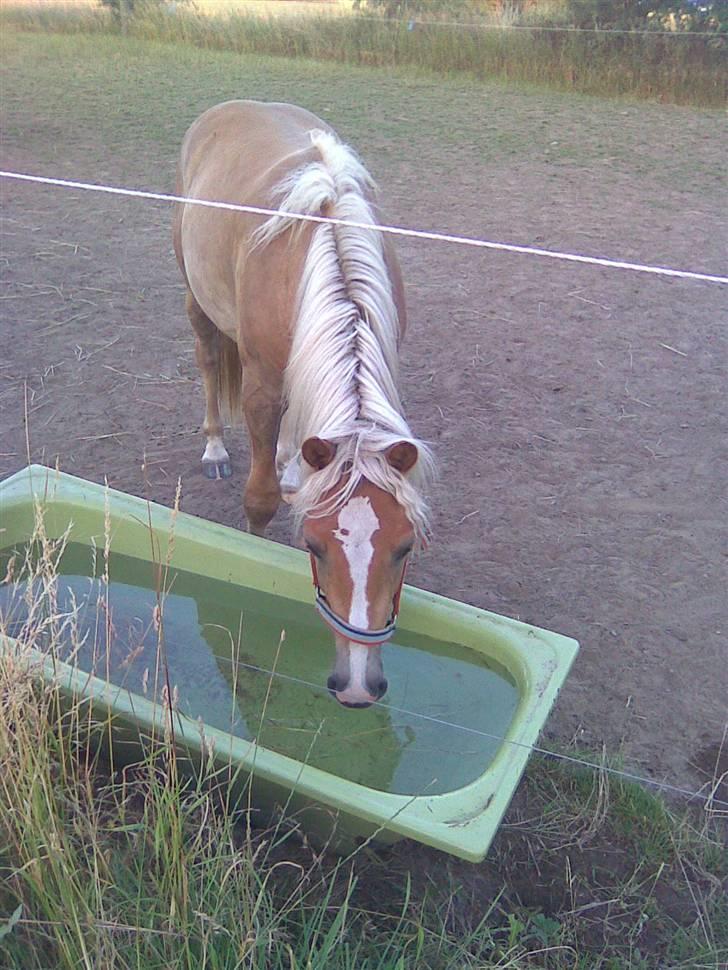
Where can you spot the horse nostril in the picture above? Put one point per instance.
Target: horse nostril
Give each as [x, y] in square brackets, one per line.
[332, 683]
[382, 688]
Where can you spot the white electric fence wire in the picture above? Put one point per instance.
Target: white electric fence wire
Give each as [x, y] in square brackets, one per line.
[534, 28]
[390, 230]
[409, 23]
[709, 799]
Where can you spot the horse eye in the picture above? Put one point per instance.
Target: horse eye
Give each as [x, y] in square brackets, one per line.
[314, 550]
[401, 554]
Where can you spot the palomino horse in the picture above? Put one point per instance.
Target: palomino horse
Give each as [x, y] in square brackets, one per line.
[299, 325]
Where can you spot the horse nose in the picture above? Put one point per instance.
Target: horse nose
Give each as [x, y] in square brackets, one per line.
[341, 693]
[348, 697]
[378, 691]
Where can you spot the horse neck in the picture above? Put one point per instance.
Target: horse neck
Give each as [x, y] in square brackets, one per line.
[342, 371]
[341, 378]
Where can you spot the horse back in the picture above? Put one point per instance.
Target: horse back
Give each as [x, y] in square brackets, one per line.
[239, 152]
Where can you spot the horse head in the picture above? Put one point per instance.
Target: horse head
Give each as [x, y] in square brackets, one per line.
[359, 546]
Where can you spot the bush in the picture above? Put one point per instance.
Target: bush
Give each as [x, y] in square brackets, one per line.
[639, 14]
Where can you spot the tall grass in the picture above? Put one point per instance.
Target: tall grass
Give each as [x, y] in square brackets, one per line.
[683, 69]
[140, 867]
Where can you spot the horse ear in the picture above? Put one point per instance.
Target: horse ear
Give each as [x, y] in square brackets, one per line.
[318, 453]
[402, 456]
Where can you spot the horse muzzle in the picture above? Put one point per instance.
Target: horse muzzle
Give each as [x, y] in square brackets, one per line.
[339, 693]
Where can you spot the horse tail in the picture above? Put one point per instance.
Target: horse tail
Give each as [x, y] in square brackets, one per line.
[229, 378]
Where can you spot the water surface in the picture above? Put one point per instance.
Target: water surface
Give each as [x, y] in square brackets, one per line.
[213, 633]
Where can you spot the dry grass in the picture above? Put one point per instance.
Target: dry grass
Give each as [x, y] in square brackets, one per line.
[213, 8]
[276, 8]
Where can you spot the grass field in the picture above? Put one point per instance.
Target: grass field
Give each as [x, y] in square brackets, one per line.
[138, 871]
[660, 65]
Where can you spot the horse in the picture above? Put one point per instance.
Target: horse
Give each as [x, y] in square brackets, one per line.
[298, 325]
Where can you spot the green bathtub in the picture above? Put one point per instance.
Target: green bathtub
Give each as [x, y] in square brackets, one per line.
[358, 783]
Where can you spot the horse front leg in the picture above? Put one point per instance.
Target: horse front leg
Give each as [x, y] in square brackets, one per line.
[262, 410]
[208, 339]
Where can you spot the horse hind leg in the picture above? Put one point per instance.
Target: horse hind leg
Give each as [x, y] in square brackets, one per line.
[210, 351]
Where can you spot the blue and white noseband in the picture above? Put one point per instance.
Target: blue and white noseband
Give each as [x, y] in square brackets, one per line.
[370, 638]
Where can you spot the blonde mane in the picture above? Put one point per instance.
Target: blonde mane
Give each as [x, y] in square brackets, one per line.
[340, 383]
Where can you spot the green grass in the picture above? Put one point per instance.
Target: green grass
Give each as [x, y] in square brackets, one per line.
[684, 70]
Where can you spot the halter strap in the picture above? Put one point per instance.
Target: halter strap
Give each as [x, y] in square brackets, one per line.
[369, 638]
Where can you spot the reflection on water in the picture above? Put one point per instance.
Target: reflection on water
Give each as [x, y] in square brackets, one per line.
[211, 630]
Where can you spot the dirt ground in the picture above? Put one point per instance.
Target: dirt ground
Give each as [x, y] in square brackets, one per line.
[578, 414]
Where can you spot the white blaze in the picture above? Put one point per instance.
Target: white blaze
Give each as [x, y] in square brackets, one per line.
[357, 524]
[358, 656]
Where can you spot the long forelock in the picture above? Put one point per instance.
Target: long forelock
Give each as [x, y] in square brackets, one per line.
[361, 457]
[340, 383]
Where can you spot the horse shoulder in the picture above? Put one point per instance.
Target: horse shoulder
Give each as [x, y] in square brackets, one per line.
[267, 282]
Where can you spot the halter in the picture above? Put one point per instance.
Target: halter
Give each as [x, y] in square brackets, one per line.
[369, 638]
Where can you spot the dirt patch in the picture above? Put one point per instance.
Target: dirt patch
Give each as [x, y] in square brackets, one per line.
[579, 415]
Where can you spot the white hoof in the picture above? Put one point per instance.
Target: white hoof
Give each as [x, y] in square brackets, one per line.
[216, 461]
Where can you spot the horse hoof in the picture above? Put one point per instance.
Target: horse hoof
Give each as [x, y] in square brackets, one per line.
[217, 469]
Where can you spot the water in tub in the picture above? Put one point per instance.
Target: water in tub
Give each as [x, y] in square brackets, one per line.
[212, 636]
